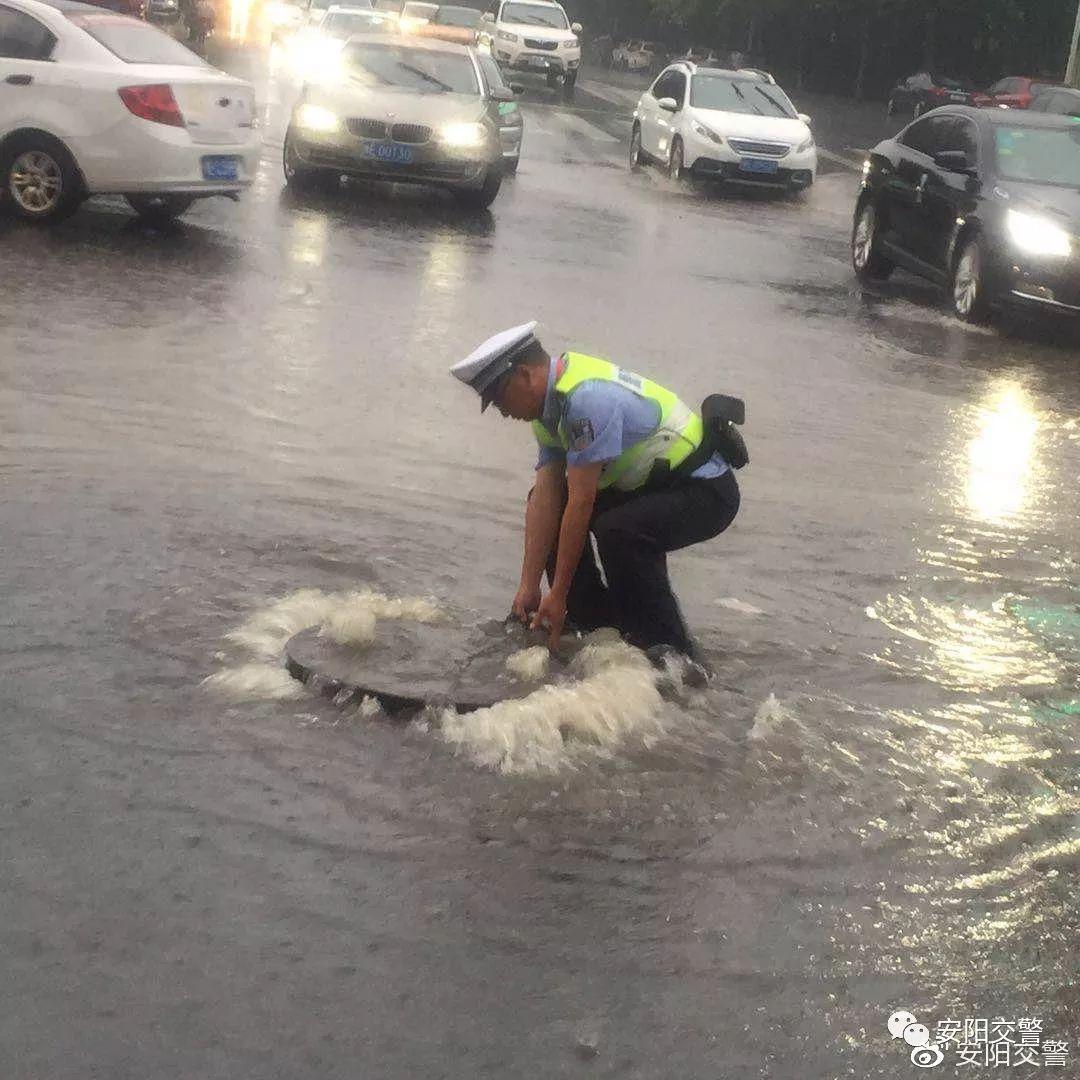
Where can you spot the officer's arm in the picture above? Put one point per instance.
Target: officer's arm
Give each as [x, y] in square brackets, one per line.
[542, 522]
[581, 485]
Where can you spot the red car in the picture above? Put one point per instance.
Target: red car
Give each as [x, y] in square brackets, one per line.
[1015, 92]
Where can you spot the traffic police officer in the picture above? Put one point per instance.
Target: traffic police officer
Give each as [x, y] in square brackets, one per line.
[620, 457]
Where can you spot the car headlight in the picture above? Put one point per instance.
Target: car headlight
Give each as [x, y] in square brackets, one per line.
[505, 35]
[571, 44]
[706, 133]
[462, 135]
[804, 146]
[1037, 235]
[316, 118]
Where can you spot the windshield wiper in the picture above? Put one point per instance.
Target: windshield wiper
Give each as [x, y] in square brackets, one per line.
[735, 87]
[428, 78]
[773, 102]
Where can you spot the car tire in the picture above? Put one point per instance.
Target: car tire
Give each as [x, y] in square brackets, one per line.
[968, 290]
[569, 83]
[890, 109]
[552, 80]
[637, 155]
[482, 197]
[40, 180]
[301, 177]
[160, 209]
[917, 111]
[676, 162]
[510, 167]
[866, 257]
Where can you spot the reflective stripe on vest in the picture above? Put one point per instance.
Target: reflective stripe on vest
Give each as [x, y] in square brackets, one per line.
[677, 435]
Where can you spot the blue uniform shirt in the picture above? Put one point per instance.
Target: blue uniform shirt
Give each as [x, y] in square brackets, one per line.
[603, 419]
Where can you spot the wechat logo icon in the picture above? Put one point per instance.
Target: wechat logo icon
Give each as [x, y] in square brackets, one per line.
[924, 1053]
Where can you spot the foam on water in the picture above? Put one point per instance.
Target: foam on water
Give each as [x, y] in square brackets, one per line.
[529, 665]
[347, 618]
[613, 701]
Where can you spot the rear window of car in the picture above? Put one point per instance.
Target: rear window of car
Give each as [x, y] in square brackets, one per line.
[1039, 155]
[132, 41]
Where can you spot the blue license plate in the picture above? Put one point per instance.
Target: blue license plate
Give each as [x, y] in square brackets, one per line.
[220, 168]
[392, 152]
[757, 165]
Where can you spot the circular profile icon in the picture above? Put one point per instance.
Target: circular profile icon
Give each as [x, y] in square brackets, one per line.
[927, 1057]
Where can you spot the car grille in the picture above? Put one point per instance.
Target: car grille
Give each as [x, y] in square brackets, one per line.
[367, 129]
[379, 129]
[410, 133]
[547, 46]
[765, 149]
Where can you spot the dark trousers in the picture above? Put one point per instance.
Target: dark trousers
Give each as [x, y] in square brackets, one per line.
[634, 531]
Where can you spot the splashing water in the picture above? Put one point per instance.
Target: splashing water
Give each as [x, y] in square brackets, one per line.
[613, 702]
[529, 665]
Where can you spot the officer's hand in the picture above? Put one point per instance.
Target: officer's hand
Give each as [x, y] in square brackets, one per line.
[551, 614]
[526, 601]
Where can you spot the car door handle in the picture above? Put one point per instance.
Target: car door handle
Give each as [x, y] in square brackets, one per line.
[19, 80]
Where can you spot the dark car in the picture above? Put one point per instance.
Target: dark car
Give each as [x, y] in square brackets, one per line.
[1060, 100]
[923, 90]
[1014, 92]
[163, 12]
[135, 8]
[985, 202]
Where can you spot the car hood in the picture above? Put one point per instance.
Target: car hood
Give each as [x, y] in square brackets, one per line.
[402, 107]
[745, 126]
[544, 33]
[1060, 204]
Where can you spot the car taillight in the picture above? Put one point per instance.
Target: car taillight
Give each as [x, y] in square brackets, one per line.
[155, 102]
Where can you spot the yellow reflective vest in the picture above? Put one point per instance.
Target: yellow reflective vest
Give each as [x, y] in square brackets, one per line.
[677, 436]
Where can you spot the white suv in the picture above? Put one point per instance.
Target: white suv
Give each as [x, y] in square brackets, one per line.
[533, 35]
[715, 124]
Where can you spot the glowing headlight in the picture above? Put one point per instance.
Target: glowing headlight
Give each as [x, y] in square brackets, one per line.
[803, 147]
[462, 135]
[1037, 235]
[505, 35]
[316, 118]
[706, 133]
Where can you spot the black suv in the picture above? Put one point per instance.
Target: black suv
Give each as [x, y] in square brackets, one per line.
[986, 202]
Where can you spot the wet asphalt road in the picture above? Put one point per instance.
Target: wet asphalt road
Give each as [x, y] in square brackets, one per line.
[874, 806]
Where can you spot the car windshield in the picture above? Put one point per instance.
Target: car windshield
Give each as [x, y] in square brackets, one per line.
[739, 96]
[343, 24]
[534, 15]
[1039, 155]
[457, 16]
[402, 67]
[133, 41]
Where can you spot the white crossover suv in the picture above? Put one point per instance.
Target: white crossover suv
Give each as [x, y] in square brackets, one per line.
[536, 36]
[714, 124]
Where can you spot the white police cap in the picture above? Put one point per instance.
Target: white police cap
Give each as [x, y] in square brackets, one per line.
[487, 363]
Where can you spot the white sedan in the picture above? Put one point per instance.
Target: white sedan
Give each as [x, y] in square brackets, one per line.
[92, 103]
[714, 124]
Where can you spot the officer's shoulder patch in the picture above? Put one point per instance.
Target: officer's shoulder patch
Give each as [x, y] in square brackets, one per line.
[581, 433]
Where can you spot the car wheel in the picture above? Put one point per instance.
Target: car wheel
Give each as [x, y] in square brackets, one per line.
[160, 208]
[510, 166]
[637, 155]
[676, 166]
[303, 177]
[41, 181]
[917, 111]
[866, 256]
[890, 108]
[482, 197]
[569, 82]
[552, 80]
[970, 298]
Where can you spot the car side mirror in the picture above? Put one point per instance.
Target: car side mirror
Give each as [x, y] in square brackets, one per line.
[668, 104]
[576, 27]
[805, 119]
[501, 93]
[955, 161]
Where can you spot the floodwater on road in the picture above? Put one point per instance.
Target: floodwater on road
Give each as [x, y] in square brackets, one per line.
[225, 428]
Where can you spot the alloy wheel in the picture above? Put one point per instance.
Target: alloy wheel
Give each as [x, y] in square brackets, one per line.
[863, 241]
[966, 283]
[36, 182]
